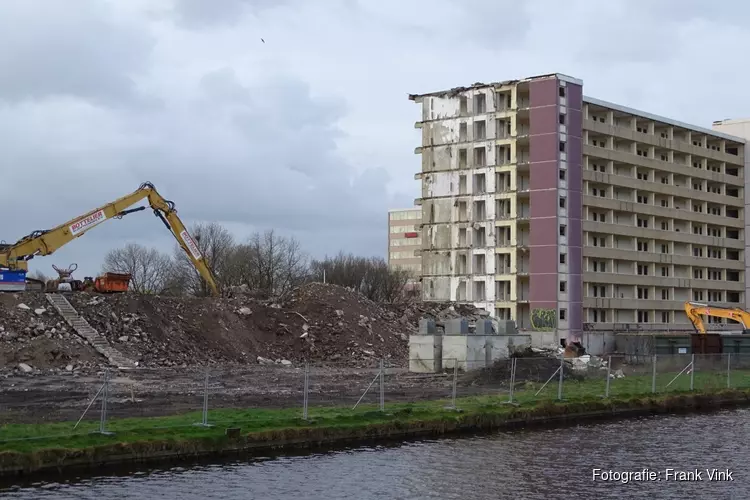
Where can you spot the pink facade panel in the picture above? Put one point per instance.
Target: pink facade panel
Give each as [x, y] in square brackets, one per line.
[543, 260]
[544, 120]
[543, 92]
[544, 231]
[543, 288]
[543, 203]
[544, 148]
[575, 260]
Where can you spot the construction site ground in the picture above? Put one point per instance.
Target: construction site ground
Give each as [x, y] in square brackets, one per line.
[253, 350]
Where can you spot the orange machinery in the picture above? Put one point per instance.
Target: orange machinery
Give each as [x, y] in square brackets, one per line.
[107, 283]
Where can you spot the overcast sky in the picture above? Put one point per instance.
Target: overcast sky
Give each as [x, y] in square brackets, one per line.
[311, 132]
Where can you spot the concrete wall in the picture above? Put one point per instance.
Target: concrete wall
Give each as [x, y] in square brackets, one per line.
[425, 353]
[556, 169]
[741, 128]
[544, 241]
[471, 352]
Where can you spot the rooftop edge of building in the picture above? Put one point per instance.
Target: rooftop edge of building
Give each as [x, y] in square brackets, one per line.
[480, 85]
[597, 102]
[404, 209]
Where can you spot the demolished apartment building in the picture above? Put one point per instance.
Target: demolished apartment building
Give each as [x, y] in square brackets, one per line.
[558, 210]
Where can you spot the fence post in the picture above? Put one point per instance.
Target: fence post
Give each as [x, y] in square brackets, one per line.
[105, 395]
[382, 386]
[514, 360]
[560, 380]
[609, 376]
[306, 389]
[455, 382]
[729, 370]
[204, 412]
[653, 376]
[692, 371]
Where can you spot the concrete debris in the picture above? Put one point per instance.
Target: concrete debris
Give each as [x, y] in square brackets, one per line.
[39, 311]
[317, 322]
[25, 368]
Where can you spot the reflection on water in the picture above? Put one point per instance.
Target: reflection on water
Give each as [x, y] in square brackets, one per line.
[545, 464]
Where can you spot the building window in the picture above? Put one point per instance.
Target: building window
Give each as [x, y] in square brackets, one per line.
[480, 104]
[562, 146]
[561, 91]
[562, 119]
[563, 286]
[562, 202]
[665, 316]
[562, 230]
[563, 314]
[562, 175]
[562, 258]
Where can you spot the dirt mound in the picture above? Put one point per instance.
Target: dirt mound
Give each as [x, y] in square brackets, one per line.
[318, 322]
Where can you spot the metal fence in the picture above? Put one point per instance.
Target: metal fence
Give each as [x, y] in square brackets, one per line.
[164, 402]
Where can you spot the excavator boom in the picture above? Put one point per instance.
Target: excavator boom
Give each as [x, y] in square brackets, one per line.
[696, 310]
[15, 257]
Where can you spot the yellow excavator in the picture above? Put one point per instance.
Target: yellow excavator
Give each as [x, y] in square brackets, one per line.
[696, 310]
[14, 257]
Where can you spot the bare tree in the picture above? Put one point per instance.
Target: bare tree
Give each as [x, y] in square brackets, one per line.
[370, 276]
[149, 269]
[217, 245]
[268, 263]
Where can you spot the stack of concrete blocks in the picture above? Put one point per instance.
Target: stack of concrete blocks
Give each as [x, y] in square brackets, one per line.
[426, 348]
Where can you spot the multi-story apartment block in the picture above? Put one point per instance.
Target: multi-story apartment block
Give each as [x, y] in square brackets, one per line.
[404, 239]
[558, 210]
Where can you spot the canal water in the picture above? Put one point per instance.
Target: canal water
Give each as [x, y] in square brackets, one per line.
[538, 464]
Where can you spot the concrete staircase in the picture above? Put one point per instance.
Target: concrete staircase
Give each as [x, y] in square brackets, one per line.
[85, 330]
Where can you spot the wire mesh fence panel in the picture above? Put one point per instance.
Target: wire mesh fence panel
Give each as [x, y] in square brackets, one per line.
[710, 372]
[166, 401]
[629, 375]
[674, 372]
[738, 365]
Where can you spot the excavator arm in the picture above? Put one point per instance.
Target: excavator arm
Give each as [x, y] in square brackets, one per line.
[695, 311]
[39, 243]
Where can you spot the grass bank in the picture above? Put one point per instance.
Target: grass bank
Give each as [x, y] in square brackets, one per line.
[28, 448]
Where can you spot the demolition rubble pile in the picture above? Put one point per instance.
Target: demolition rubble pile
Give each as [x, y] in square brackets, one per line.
[317, 322]
[535, 365]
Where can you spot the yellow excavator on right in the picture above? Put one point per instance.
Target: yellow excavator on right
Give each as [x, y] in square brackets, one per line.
[696, 310]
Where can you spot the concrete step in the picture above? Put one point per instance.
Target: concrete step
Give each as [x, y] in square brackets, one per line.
[85, 330]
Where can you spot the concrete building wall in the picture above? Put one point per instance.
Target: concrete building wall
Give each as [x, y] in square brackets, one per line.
[405, 240]
[741, 128]
[548, 232]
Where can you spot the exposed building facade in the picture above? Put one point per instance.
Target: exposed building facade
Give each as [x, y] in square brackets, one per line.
[563, 211]
[404, 239]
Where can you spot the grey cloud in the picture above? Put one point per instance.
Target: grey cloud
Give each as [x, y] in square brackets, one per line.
[197, 14]
[49, 48]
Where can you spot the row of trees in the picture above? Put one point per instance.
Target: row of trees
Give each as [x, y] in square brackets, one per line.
[269, 264]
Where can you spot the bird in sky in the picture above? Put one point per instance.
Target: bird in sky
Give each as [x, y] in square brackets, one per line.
[262, 40]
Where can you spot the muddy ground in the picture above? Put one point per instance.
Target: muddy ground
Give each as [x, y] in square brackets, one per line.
[147, 393]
